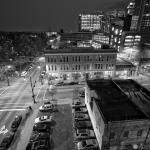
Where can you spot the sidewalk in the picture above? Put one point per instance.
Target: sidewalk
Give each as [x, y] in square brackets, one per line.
[24, 136]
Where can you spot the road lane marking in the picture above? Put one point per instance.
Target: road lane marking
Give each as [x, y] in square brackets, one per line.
[15, 103]
[44, 94]
[12, 109]
[38, 94]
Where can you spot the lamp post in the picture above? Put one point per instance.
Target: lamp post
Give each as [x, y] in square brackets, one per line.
[6, 74]
[32, 88]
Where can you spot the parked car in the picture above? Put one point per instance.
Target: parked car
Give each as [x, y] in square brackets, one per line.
[24, 73]
[78, 104]
[43, 119]
[35, 136]
[38, 145]
[15, 124]
[39, 127]
[47, 107]
[72, 83]
[59, 84]
[80, 110]
[43, 73]
[82, 94]
[89, 144]
[83, 124]
[81, 116]
[84, 133]
[6, 142]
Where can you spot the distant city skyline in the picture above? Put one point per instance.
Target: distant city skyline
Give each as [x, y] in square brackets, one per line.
[46, 15]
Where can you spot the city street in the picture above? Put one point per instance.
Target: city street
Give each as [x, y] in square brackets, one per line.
[14, 99]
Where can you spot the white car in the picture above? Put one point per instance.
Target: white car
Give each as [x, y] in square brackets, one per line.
[47, 107]
[43, 119]
[84, 133]
[24, 73]
[87, 144]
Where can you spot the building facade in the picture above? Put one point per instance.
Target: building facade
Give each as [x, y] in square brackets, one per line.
[90, 21]
[81, 63]
[118, 123]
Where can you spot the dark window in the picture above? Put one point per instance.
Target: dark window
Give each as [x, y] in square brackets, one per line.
[126, 134]
[139, 133]
[48, 59]
[67, 59]
[112, 135]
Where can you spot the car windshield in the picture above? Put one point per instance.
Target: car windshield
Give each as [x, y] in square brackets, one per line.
[43, 118]
[84, 143]
[82, 131]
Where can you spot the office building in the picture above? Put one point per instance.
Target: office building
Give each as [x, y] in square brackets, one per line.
[90, 21]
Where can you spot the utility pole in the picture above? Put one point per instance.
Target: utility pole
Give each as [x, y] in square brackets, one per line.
[32, 88]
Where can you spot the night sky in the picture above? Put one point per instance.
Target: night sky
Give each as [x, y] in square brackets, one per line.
[46, 15]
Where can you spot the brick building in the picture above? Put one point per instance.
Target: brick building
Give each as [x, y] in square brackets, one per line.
[81, 63]
[118, 122]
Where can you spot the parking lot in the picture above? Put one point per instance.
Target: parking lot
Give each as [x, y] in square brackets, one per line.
[69, 127]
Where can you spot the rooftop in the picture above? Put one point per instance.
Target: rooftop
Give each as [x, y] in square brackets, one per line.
[113, 102]
[80, 50]
[137, 93]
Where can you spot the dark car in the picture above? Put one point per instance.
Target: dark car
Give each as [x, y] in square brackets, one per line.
[38, 145]
[83, 124]
[81, 116]
[59, 84]
[39, 127]
[6, 142]
[15, 124]
[79, 110]
[78, 104]
[73, 83]
[35, 136]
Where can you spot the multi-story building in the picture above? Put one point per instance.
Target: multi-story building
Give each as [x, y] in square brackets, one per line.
[141, 16]
[124, 68]
[90, 21]
[130, 8]
[101, 37]
[78, 63]
[118, 122]
[116, 34]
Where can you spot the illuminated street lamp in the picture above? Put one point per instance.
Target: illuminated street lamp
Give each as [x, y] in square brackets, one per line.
[6, 74]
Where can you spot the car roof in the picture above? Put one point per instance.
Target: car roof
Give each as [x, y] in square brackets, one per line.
[90, 141]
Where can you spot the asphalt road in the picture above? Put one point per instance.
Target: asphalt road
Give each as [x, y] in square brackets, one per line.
[15, 98]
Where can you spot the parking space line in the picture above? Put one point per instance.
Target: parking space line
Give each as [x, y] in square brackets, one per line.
[44, 94]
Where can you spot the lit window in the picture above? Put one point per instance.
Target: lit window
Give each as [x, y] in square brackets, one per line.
[116, 31]
[112, 135]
